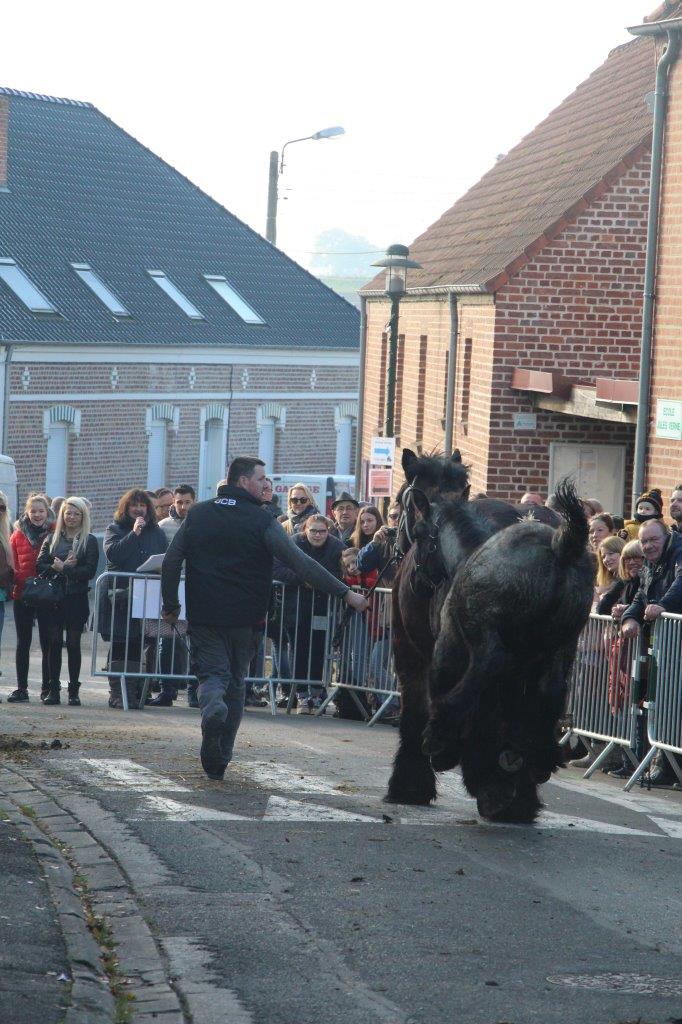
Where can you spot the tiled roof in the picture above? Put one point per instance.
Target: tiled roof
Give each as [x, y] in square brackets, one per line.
[81, 190]
[527, 195]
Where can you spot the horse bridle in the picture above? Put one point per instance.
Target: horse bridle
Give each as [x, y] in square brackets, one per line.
[420, 574]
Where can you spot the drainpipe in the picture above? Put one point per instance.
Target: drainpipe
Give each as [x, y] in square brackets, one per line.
[643, 404]
[361, 395]
[9, 349]
[452, 367]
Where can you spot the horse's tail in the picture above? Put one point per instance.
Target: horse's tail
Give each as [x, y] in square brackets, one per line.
[570, 540]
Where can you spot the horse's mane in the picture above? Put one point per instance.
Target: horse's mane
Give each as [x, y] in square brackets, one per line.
[472, 528]
[446, 473]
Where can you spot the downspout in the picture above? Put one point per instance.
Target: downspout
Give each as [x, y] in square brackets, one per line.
[361, 395]
[643, 403]
[452, 376]
[9, 349]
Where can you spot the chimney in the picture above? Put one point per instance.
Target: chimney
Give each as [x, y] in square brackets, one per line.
[4, 121]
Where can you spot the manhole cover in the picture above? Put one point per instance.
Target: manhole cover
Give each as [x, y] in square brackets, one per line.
[639, 984]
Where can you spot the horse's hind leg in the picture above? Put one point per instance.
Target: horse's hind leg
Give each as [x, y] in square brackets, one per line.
[413, 780]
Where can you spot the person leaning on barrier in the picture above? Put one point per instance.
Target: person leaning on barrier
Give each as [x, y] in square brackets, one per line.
[300, 604]
[623, 590]
[660, 591]
[228, 545]
[132, 538]
[379, 552]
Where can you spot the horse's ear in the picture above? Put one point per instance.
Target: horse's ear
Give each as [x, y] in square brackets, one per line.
[409, 462]
[456, 455]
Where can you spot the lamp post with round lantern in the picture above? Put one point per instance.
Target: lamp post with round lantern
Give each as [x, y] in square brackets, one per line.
[397, 263]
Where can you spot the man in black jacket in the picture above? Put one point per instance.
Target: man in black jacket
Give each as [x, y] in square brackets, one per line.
[228, 545]
[660, 591]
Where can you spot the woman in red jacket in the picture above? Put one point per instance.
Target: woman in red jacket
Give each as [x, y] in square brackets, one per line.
[30, 531]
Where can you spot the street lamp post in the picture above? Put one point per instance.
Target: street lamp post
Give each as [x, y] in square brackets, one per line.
[277, 167]
[397, 263]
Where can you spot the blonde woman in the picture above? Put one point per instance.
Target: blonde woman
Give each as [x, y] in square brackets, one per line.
[72, 551]
[30, 530]
[608, 560]
[6, 559]
[623, 590]
[300, 506]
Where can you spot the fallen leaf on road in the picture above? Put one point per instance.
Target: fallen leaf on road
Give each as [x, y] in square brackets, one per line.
[358, 878]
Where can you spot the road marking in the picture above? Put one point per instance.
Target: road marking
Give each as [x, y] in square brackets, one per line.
[671, 828]
[120, 773]
[280, 809]
[281, 776]
[173, 810]
[636, 800]
[550, 820]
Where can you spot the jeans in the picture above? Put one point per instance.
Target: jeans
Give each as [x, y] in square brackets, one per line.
[221, 656]
[24, 617]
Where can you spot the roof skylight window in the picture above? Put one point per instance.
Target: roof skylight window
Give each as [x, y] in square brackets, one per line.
[24, 288]
[174, 293]
[98, 288]
[227, 293]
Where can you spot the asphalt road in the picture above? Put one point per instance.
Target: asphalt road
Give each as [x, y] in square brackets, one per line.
[290, 894]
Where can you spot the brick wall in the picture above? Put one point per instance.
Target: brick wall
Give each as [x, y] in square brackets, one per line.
[110, 453]
[664, 465]
[575, 308]
[4, 119]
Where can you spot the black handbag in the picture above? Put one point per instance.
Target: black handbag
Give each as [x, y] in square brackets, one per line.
[44, 591]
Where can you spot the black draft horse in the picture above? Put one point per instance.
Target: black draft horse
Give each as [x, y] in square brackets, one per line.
[487, 611]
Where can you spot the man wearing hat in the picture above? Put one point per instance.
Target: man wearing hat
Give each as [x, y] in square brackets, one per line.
[345, 511]
[649, 506]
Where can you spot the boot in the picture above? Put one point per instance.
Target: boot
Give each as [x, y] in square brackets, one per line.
[44, 692]
[74, 699]
[53, 696]
[18, 695]
[115, 692]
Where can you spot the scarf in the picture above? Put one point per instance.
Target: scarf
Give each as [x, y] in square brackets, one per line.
[297, 519]
[646, 517]
[35, 535]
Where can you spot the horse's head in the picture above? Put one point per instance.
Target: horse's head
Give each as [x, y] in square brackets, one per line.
[436, 477]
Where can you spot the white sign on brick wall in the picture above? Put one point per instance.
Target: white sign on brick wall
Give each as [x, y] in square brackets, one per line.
[669, 419]
[525, 421]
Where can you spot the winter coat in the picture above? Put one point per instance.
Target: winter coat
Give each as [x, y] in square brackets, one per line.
[329, 557]
[126, 551]
[376, 555]
[661, 582]
[26, 542]
[77, 576]
[6, 574]
[620, 592]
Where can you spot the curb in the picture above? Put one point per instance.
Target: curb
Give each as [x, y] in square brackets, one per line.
[140, 964]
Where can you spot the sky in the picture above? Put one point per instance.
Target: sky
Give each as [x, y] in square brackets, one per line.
[429, 94]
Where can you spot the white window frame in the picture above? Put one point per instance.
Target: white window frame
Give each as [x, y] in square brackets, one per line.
[345, 415]
[94, 283]
[23, 288]
[175, 295]
[159, 419]
[269, 418]
[60, 424]
[229, 294]
[210, 416]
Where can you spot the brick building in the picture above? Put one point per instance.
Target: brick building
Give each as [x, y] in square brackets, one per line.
[663, 457]
[146, 334]
[532, 284]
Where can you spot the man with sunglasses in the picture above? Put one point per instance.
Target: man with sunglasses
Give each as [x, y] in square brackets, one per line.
[228, 545]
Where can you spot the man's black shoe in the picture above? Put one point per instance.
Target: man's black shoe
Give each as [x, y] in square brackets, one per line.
[162, 701]
[211, 757]
[17, 696]
[192, 702]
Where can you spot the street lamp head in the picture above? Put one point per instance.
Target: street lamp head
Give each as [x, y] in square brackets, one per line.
[397, 263]
[328, 133]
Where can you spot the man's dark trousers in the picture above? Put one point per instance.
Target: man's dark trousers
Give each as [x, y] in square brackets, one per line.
[221, 657]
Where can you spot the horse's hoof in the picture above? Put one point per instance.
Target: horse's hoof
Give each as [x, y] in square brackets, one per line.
[492, 801]
[510, 761]
[410, 799]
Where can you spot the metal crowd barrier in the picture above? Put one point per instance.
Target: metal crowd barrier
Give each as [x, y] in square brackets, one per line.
[603, 692]
[297, 651]
[664, 696]
[361, 663]
[142, 647]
